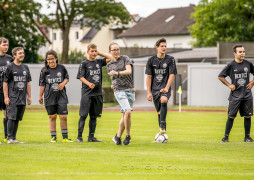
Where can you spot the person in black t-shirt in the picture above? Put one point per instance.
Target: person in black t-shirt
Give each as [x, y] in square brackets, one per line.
[240, 97]
[4, 60]
[17, 88]
[160, 71]
[90, 74]
[53, 79]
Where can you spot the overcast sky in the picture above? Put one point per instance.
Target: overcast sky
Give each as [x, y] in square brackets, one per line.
[146, 7]
[142, 7]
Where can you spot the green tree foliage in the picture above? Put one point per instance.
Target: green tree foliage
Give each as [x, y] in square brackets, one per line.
[222, 20]
[91, 13]
[17, 19]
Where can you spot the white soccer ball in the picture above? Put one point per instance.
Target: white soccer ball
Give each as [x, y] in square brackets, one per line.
[161, 138]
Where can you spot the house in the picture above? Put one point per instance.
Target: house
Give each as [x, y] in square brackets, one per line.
[171, 24]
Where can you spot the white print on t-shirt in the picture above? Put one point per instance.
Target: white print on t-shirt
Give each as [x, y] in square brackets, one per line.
[59, 74]
[159, 78]
[165, 65]
[97, 65]
[21, 85]
[55, 87]
[241, 77]
[96, 78]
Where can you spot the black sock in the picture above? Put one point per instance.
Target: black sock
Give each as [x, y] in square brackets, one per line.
[92, 126]
[247, 126]
[65, 133]
[10, 128]
[81, 125]
[159, 116]
[163, 115]
[53, 134]
[16, 126]
[229, 126]
[5, 127]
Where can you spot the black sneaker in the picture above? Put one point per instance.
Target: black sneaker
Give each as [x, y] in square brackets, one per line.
[79, 139]
[224, 139]
[248, 139]
[93, 139]
[127, 140]
[117, 140]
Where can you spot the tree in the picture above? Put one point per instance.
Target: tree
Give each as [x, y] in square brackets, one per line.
[222, 20]
[91, 13]
[17, 19]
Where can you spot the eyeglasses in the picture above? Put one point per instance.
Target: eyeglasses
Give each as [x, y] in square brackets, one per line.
[51, 59]
[115, 50]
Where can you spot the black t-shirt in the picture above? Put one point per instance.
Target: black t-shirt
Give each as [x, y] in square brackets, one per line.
[239, 74]
[160, 69]
[51, 80]
[92, 72]
[4, 60]
[17, 78]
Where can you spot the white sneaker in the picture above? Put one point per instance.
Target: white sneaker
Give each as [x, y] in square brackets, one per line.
[10, 141]
[17, 141]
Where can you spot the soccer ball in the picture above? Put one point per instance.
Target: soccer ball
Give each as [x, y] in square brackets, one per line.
[161, 138]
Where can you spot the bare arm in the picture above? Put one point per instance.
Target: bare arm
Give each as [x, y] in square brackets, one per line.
[42, 88]
[62, 84]
[127, 71]
[148, 86]
[107, 56]
[6, 97]
[224, 81]
[170, 80]
[29, 99]
[83, 80]
[250, 85]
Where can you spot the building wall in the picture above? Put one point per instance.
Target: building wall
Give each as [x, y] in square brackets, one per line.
[172, 41]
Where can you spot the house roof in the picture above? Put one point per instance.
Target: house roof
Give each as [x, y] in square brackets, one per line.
[89, 35]
[172, 21]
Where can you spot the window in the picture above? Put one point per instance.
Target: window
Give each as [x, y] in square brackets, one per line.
[54, 36]
[170, 18]
[77, 35]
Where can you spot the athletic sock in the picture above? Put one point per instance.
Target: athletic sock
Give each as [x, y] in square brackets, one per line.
[163, 115]
[229, 126]
[16, 126]
[159, 116]
[65, 133]
[81, 125]
[5, 127]
[10, 128]
[92, 126]
[247, 126]
[53, 134]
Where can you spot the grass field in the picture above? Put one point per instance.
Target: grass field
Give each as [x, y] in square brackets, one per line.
[194, 150]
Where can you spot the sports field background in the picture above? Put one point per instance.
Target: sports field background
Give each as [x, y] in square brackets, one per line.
[194, 150]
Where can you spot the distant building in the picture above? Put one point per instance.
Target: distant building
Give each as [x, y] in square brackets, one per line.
[171, 24]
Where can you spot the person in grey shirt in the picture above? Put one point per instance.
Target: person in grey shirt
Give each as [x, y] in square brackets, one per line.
[120, 70]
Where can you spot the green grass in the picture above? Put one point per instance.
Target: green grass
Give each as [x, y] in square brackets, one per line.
[194, 150]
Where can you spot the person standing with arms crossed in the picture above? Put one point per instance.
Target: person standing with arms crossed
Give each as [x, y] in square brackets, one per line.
[90, 74]
[240, 98]
[4, 60]
[120, 70]
[160, 73]
[17, 88]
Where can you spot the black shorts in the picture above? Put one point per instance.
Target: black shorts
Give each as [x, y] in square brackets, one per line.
[60, 109]
[245, 108]
[91, 105]
[2, 104]
[15, 112]
[157, 100]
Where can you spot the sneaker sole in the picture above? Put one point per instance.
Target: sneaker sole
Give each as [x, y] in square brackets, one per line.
[127, 144]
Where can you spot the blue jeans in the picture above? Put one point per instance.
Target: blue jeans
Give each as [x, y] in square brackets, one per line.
[125, 99]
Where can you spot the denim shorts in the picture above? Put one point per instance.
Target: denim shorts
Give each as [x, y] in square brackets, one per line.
[125, 99]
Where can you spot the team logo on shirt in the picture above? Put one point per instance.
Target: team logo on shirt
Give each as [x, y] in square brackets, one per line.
[55, 87]
[59, 74]
[246, 69]
[8, 62]
[21, 85]
[159, 77]
[24, 73]
[165, 65]
[97, 65]
[96, 78]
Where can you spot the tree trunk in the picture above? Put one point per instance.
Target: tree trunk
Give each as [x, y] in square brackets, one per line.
[65, 49]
